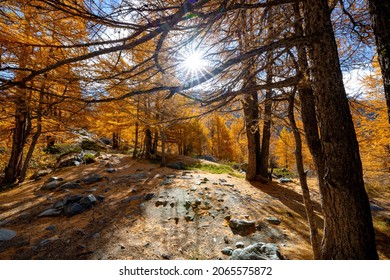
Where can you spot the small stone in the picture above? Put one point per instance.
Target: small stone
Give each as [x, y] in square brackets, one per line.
[149, 196]
[221, 200]
[51, 179]
[71, 185]
[161, 202]
[51, 185]
[187, 204]
[227, 185]
[92, 190]
[172, 204]
[228, 217]
[198, 202]
[186, 177]
[51, 228]
[166, 256]
[193, 189]
[100, 198]
[6, 234]
[285, 180]
[228, 251]
[50, 213]
[189, 218]
[274, 221]
[375, 207]
[166, 182]
[240, 245]
[226, 239]
[110, 170]
[176, 220]
[122, 246]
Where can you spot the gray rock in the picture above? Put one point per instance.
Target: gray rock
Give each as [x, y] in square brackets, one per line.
[60, 204]
[193, 189]
[198, 202]
[73, 198]
[92, 179]
[189, 218]
[274, 221]
[240, 245]
[47, 241]
[176, 165]
[51, 179]
[187, 204]
[166, 182]
[71, 185]
[285, 180]
[51, 228]
[88, 201]
[149, 196]
[187, 177]
[110, 170]
[132, 198]
[375, 207]
[6, 234]
[50, 213]
[51, 185]
[138, 176]
[242, 227]
[258, 251]
[227, 185]
[222, 180]
[228, 251]
[73, 209]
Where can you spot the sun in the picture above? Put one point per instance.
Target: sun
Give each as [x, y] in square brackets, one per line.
[192, 64]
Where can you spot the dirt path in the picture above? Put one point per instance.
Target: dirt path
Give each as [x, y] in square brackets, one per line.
[148, 212]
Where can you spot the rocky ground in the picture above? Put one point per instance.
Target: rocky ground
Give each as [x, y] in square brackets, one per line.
[118, 208]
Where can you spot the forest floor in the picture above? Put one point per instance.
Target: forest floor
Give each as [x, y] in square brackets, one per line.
[124, 225]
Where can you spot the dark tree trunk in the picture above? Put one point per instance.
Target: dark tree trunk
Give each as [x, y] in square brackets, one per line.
[251, 114]
[155, 143]
[314, 236]
[135, 151]
[148, 144]
[115, 140]
[19, 138]
[265, 143]
[348, 229]
[380, 17]
[35, 138]
[163, 158]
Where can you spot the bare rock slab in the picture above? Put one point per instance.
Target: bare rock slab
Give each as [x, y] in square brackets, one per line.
[6, 234]
[242, 227]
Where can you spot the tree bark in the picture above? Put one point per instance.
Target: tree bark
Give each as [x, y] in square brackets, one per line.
[348, 228]
[19, 138]
[163, 158]
[380, 18]
[314, 236]
[251, 114]
[266, 140]
[148, 144]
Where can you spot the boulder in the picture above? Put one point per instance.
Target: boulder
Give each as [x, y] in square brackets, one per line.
[52, 185]
[88, 201]
[258, 251]
[71, 185]
[92, 179]
[149, 196]
[228, 251]
[6, 234]
[72, 159]
[176, 165]
[73, 209]
[285, 180]
[242, 227]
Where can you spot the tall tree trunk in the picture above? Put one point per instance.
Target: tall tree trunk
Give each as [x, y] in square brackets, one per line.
[35, 138]
[155, 142]
[251, 115]
[148, 143]
[314, 236]
[19, 138]
[348, 229]
[135, 151]
[266, 141]
[380, 17]
[163, 158]
[115, 140]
